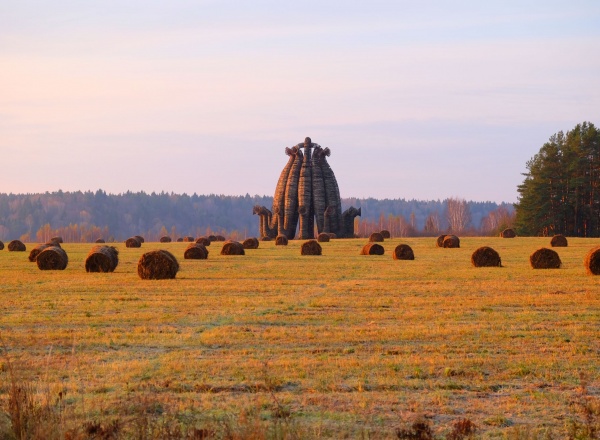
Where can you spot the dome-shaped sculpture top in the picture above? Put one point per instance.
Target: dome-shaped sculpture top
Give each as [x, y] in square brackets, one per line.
[307, 190]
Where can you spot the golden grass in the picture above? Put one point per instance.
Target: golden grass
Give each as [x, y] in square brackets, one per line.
[348, 345]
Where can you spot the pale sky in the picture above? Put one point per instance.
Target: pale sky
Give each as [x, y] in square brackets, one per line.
[415, 99]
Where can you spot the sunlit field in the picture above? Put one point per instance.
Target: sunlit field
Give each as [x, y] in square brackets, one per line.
[278, 345]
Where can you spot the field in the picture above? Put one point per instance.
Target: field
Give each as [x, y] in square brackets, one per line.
[276, 345]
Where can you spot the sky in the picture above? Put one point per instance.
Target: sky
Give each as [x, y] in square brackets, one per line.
[423, 100]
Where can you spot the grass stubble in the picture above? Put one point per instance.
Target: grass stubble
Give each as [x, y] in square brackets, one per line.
[279, 345]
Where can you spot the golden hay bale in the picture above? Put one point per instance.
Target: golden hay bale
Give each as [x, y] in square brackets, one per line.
[250, 243]
[100, 240]
[403, 252]
[16, 246]
[212, 237]
[52, 258]
[220, 238]
[189, 239]
[140, 238]
[157, 265]
[439, 242]
[281, 240]
[592, 261]
[508, 233]
[195, 251]
[102, 259]
[232, 248]
[451, 241]
[486, 257]
[372, 249]
[203, 241]
[179, 240]
[559, 240]
[376, 237]
[385, 233]
[1, 245]
[133, 242]
[323, 237]
[165, 239]
[332, 235]
[36, 251]
[545, 259]
[311, 247]
[265, 238]
[57, 239]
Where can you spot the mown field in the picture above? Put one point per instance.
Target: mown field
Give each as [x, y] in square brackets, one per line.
[277, 345]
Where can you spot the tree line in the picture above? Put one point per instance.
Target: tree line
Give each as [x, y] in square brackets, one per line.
[85, 216]
[561, 190]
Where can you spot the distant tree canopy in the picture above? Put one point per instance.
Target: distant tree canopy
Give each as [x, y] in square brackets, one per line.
[85, 216]
[561, 190]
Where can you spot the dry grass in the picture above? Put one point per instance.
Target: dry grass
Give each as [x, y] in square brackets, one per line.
[339, 346]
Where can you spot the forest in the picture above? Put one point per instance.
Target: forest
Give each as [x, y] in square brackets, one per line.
[85, 216]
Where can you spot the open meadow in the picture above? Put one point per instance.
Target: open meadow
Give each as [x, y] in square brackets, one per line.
[278, 345]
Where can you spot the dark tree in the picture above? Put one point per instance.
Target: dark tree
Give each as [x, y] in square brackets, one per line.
[561, 190]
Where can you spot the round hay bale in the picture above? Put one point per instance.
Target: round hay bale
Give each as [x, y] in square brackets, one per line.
[323, 237]
[486, 257]
[385, 234]
[102, 259]
[439, 242]
[508, 233]
[545, 258]
[140, 238]
[52, 258]
[281, 240]
[559, 240]
[372, 249]
[57, 239]
[100, 240]
[332, 235]
[376, 237]
[36, 251]
[403, 252]
[133, 242]
[189, 239]
[232, 248]
[212, 238]
[16, 246]
[265, 238]
[1, 245]
[203, 241]
[157, 265]
[220, 238]
[451, 241]
[195, 251]
[592, 261]
[165, 239]
[311, 247]
[179, 240]
[250, 243]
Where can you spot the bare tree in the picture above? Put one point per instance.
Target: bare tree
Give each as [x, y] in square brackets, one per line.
[458, 215]
[432, 224]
